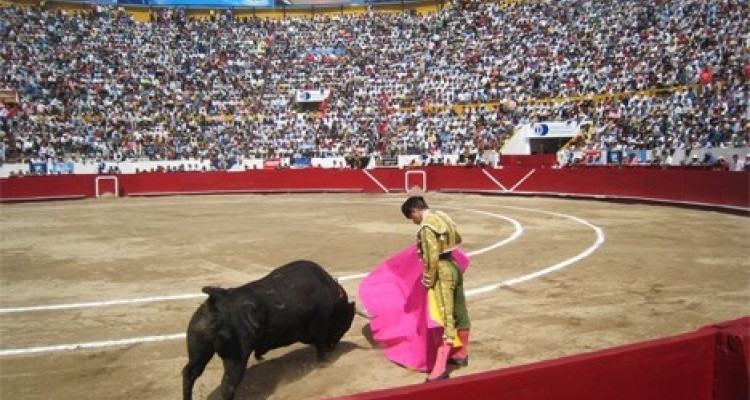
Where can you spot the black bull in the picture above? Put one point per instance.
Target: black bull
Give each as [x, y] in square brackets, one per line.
[298, 302]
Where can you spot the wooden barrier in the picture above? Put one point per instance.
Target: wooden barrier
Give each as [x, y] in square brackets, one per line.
[709, 364]
[694, 187]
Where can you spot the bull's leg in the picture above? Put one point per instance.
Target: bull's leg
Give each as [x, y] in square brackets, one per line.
[234, 370]
[319, 332]
[193, 369]
[341, 321]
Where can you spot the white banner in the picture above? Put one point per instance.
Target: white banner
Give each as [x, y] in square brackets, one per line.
[520, 142]
[551, 129]
[312, 96]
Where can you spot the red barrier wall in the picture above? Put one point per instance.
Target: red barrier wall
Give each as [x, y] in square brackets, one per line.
[44, 187]
[679, 185]
[283, 180]
[689, 186]
[709, 364]
[731, 372]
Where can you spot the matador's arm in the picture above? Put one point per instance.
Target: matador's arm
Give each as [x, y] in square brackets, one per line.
[430, 252]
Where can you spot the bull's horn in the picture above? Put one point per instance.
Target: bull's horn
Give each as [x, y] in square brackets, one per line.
[213, 291]
[362, 314]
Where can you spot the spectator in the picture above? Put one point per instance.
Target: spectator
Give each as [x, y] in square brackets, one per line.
[739, 164]
[694, 161]
[721, 164]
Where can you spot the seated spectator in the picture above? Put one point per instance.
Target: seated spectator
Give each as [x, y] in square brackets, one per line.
[739, 164]
[694, 161]
[721, 164]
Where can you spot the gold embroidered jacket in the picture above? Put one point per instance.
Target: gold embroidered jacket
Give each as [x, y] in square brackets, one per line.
[437, 235]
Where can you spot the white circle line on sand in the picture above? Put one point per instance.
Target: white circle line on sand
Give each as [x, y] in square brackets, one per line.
[92, 345]
[104, 303]
[484, 289]
[563, 264]
[518, 231]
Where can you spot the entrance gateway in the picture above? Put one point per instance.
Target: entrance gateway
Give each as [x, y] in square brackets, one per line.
[411, 173]
[98, 185]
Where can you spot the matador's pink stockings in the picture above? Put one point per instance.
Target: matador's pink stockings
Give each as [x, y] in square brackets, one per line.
[461, 354]
[441, 360]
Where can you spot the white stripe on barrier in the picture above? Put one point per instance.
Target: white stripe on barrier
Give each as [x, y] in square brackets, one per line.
[377, 182]
[492, 178]
[522, 180]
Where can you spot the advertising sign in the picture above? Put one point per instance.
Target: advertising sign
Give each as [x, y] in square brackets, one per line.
[554, 129]
[614, 157]
[300, 162]
[312, 96]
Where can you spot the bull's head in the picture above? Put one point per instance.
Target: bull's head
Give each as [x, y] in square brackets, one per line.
[235, 321]
[217, 306]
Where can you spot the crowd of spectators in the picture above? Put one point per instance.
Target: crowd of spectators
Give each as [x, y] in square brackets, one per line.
[648, 75]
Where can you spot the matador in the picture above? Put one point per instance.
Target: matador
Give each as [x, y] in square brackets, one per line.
[436, 238]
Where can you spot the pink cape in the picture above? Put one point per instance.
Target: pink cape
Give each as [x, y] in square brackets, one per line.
[395, 299]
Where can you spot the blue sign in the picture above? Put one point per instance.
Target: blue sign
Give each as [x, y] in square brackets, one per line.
[300, 162]
[614, 157]
[640, 156]
[541, 129]
[62, 167]
[38, 167]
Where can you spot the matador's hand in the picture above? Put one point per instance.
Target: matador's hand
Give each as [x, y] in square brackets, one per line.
[427, 280]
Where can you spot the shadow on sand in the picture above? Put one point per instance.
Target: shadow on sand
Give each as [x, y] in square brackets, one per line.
[262, 378]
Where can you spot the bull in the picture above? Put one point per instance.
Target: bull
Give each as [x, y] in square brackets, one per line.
[298, 302]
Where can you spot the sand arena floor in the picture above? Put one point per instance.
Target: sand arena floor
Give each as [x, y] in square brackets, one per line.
[624, 273]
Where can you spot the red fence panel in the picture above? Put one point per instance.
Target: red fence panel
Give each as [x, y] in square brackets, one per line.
[282, 180]
[703, 187]
[46, 187]
[668, 187]
[737, 189]
[723, 189]
[732, 358]
[679, 367]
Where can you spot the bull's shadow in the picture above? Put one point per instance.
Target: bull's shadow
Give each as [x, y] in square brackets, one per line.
[263, 377]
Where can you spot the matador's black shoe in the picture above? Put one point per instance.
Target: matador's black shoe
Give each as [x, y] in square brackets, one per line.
[461, 362]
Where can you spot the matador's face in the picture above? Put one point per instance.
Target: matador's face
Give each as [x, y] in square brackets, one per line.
[416, 215]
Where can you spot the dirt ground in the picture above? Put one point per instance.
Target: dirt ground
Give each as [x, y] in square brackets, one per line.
[651, 271]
